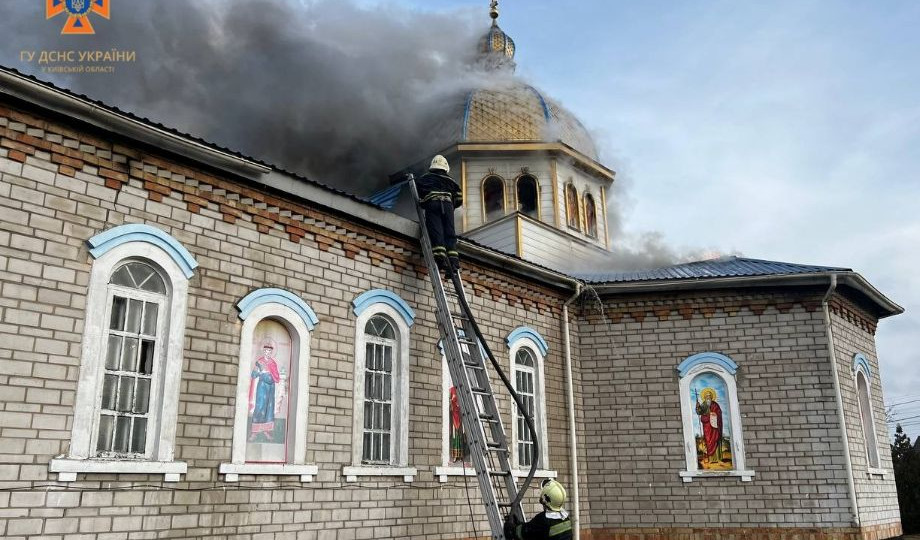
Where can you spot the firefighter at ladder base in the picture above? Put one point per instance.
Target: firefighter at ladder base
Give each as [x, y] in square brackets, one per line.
[551, 524]
[440, 195]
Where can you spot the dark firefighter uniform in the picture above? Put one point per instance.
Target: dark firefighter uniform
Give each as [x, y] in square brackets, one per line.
[440, 195]
[548, 525]
[551, 524]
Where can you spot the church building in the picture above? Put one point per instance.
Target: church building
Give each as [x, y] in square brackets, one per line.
[198, 344]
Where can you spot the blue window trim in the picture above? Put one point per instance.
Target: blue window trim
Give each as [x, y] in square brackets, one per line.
[108, 240]
[860, 361]
[707, 357]
[381, 296]
[261, 297]
[522, 332]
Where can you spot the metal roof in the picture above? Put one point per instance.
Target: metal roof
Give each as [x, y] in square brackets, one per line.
[177, 133]
[715, 268]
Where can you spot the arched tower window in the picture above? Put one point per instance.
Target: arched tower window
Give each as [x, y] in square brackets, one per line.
[571, 207]
[528, 196]
[590, 215]
[493, 197]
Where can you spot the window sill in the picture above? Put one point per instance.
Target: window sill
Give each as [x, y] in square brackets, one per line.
[442, 473]
[688, 476]
[877, 472]
[68, 469]
[232, 471]
[351, 474]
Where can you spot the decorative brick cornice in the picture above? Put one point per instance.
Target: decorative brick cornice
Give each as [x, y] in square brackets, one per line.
[687, 306]
[162, 178]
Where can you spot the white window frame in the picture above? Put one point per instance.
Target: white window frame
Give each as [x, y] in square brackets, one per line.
[862, 368]
[400, 454]
[539, 406]
[725, 368]
[164, 407]
[152, 413]
[299, 406]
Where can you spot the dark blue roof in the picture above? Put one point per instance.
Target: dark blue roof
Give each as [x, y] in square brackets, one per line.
[714, 268]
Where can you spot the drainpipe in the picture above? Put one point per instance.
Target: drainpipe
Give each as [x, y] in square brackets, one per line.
[843, 426]
[570, 391]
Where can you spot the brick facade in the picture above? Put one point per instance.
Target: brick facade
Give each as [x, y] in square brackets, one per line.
[634, 447]
[61, 184]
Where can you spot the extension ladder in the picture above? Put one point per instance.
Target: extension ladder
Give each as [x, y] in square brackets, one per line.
[481, 420]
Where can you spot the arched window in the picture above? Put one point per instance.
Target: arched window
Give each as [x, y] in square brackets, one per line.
[272, 392]
[590, 216]
[713, 442]
[862, 372]
[525, 379]
[131, 363]
[493, 197]
[528, 196]
[571, 207]
[378, 401]
[134, 337]
[528, 350]
[381, 387]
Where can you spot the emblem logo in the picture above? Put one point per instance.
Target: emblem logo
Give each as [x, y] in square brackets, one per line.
[78, 12]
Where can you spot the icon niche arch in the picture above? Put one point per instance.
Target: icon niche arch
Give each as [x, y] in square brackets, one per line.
[713, 438]
[272, 393]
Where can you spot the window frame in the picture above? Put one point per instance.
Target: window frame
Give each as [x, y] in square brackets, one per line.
[723, 367]
[175, 265]
[504, 197]
[368, 306]
[299, 320]
[153, 419]
[539, 404]
[517, 195]
[574, 207]
[589, 198]
[862, 368]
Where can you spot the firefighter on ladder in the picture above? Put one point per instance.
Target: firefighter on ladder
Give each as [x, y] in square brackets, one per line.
[551, 524]
[440, 195]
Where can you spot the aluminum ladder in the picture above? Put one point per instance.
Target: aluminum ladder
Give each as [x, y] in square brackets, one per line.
[481, 420]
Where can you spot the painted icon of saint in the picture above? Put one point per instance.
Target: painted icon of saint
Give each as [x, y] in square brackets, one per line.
[458, 449]
[711, 420]
[263, 378]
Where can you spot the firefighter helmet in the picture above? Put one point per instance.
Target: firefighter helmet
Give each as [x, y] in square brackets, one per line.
[552, 494]
[439, 163]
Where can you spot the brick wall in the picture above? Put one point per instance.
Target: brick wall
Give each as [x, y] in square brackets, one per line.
[634, 447]
[854, 332]
[60, 186]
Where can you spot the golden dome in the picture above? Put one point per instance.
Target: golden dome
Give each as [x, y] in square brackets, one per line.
[517, 112]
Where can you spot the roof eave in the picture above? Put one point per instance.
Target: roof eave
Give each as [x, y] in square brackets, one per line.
[70, 105]
[886, 306]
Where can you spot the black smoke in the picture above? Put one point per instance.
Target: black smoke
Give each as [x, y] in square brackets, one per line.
[343, 94]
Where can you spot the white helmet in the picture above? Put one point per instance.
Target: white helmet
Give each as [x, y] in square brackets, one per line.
[439, 163]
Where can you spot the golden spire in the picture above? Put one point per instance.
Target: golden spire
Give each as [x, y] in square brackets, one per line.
[493, 11]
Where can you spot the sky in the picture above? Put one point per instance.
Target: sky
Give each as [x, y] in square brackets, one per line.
[783, 130]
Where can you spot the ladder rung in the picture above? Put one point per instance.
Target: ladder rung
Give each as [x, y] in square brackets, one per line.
[481, 392]
[503, 505]
[466, 341]
[494, 445]
[500, 473]
[473, 365]
[487, 417]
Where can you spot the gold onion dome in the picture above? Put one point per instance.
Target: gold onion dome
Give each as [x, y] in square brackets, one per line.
[508, 110]
[513, 111]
